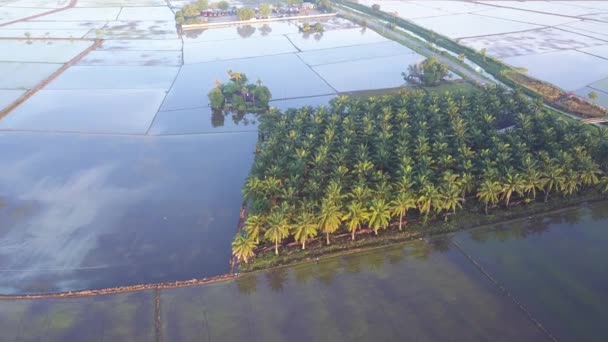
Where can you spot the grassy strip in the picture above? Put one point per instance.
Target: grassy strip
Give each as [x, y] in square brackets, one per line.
[470, 217]
[493, 66]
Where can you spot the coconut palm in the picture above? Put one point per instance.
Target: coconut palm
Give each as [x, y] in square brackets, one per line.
[305, 227]
[254, 226]
[554, 180]
[356, 216]
[380, 215]
[512, 184]
[403, 202]
[329, 218]
[278, 229]
[243, 247]
[488, 192]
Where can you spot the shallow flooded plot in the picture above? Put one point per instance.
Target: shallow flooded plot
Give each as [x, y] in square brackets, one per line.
[335, 38]
[41, 51]
[202, 120]
[452, 6]
[56, 25]
[360, 297]
[115, 77]
[133, 58]
[355, 75]
[50, 4]
[146, 13]
[599, 51]
[79, 14]
[349, 53]
[589, 28]
[43, 33]
[566, 68]
[7, 96]
[240, 32]
[232, 49]
[87, 111]
[149, 29]
[142, 45]
[125, 317]
[313, 101]
[530, 42]
[551, 266]
[527, 17]
[24, 75]
[118, 3]
[545, 7]
[122, 210]
[471, 25]
[8, 14]
[286, 76]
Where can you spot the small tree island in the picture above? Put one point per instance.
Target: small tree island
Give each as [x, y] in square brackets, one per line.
[238, 95]
[430, 72]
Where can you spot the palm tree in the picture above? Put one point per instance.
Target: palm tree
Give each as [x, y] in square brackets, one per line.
[305, 228]
[604, 184]
[356, 216]
[242, 247]
[554, 180]
[452, 199]
[380, 215]
[254, 226]
[330, 218]
[401, 204]
[488, 192]
[571, 182]
[533, 181]
[512, 184]
[278, 228]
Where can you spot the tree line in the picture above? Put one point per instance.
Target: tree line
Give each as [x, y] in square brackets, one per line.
[377, 162]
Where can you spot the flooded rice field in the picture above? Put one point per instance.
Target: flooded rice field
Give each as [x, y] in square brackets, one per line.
[572, 35]
[115, 174]
[547, 267]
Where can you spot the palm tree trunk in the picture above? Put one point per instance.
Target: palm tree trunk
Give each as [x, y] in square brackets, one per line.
[508, 199]
[327, 237]
[276, 247]
[546, 196]
[353, 234]
[304, 244]
[486, 208]
[400, 222]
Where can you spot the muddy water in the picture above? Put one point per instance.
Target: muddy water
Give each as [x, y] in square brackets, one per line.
[552, 265]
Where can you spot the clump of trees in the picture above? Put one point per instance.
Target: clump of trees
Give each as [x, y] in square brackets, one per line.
[308, 28]
[238, 95]
[430, 72]
[245, 13]
[376, 7]
[190, 12]
[380, 162]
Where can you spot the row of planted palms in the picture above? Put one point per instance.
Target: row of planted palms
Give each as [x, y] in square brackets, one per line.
[375, 162]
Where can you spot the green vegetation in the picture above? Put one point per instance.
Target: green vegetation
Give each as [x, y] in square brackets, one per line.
[308, 28]
[593, 96]
[223, 5]
[245, 13]
[265, 10]
[378, 163]
[376, 7]
[190, 12]
[239, 96]
[430, 72]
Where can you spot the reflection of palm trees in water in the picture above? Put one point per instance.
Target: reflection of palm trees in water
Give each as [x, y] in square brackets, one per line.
[265, 30]
[245, 31]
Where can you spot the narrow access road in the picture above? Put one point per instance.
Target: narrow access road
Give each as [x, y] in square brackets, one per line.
[373, 24]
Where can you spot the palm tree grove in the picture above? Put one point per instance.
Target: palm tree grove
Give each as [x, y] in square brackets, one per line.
[376, 163]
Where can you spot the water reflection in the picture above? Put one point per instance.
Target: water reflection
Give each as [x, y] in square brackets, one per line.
[245, 31]
[218, 118]
[265, 30]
